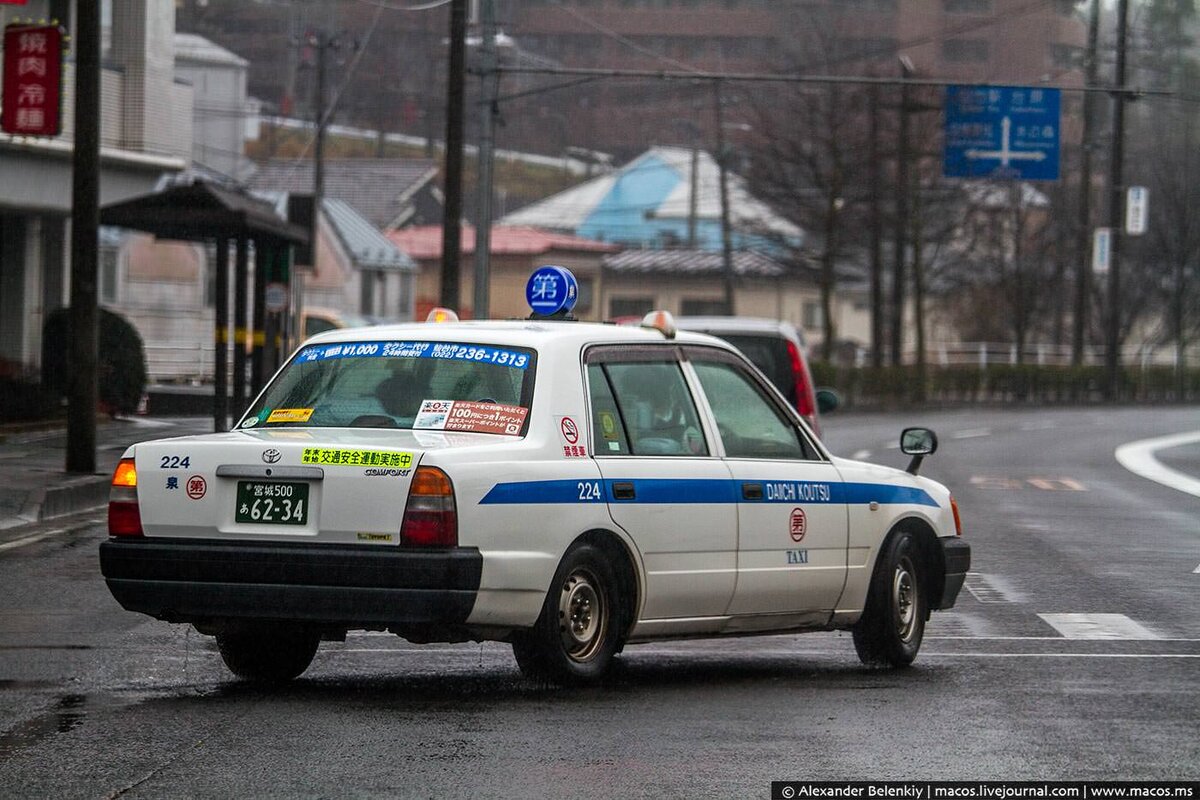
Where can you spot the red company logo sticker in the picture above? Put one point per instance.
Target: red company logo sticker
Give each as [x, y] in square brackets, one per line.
[799, 524]
[196, 487]
[570, 430]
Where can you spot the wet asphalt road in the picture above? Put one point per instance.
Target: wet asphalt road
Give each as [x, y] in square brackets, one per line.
[97, 702]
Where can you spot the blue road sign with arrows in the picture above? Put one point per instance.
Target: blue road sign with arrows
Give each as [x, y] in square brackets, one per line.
[1002, 132]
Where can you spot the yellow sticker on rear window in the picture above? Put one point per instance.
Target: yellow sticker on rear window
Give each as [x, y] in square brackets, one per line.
[290, 415]
[355, 458]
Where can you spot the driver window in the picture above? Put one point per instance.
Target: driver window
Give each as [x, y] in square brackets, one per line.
[657, 409]
[749, 424]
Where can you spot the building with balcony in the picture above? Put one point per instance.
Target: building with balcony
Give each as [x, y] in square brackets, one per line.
[146, 132]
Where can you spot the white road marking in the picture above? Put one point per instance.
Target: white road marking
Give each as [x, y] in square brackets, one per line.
[1059, 655]
[861, 455]
[1196, 571]
[37, 537]
[973, 433]
[1138, 458]
[805, 653]
[1097, 626]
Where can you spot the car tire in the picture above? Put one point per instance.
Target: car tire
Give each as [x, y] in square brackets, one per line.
[892, 625]
[267, 653]
[578, 631]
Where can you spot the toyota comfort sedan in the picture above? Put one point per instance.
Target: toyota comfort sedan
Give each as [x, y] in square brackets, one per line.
[568, 488]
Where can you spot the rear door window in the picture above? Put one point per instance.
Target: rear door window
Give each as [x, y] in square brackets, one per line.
[653, 406]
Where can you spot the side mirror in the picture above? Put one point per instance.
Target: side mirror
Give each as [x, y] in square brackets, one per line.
[918, 443]
[827, 400]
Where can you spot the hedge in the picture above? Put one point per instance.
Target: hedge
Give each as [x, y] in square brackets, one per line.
[883, 387]
[121, 364]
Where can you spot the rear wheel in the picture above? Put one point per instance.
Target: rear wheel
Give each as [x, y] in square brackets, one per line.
[268, 653]
[890, 630]
[577, 633]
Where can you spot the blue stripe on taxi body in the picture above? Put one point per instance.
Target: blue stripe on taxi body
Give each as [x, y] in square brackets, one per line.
[704, 490]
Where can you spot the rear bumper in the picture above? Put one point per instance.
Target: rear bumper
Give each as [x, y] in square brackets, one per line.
[203, 581]
[956, 556]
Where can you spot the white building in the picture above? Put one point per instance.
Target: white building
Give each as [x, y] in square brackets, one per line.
[146, 131]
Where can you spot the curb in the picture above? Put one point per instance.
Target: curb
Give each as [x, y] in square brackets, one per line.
[75, 496]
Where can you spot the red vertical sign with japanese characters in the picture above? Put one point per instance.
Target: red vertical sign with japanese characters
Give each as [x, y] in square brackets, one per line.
[32, 80]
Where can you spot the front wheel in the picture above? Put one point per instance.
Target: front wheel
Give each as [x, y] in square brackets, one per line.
[577, 633]
[890, 630]
[267, 653]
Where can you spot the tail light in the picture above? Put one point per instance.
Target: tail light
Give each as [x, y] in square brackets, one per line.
[806, 396]
[430, 518]
[957, 518]
[124, 517]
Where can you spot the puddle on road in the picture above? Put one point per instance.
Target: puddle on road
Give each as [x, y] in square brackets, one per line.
[66, 715]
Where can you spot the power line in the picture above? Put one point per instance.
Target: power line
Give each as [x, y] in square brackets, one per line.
[768, 77]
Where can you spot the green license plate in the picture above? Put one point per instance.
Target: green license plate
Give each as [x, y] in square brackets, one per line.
[271, 503]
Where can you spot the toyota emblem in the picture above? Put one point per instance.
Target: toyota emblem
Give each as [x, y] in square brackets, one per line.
[271, 456]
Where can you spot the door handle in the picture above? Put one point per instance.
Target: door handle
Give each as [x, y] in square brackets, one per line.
[623, 491]
[752, 491]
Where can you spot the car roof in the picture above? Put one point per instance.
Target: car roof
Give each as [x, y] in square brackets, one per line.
[535, 334]
[759, 325]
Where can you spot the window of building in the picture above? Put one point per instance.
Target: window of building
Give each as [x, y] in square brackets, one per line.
[867, 47]
[812, 318]
[965, 50]
[630, 306]
[1066, 56]
[586, 294]
[967, 6]
[703, 307]
[110, 260]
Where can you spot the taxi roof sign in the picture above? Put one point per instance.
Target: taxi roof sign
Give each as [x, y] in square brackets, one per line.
[552, 291]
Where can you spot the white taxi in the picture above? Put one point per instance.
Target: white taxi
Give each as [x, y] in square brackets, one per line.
[569, 488]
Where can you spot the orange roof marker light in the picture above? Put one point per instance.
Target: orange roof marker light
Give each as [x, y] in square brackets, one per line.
[661, 321]
[440, 314]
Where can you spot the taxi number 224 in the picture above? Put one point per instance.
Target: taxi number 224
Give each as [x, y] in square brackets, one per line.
[589, 491]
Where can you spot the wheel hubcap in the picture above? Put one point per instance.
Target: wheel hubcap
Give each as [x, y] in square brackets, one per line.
[904, 601]
[582, 616]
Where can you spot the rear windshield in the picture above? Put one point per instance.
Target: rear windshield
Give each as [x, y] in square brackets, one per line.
[401, 384]
[770, 354]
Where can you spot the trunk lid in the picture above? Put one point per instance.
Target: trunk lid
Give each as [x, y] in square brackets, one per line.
[334, 485]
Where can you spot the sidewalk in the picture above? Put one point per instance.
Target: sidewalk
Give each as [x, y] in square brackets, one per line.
[34, 486]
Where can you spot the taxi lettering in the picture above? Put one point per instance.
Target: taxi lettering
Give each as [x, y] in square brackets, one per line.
[797, 492]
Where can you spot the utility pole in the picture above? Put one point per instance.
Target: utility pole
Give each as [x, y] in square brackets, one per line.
[322, 45]
[1083, 285]
[1116, 188]
[898, 274]
[452, 214]
[85, 233]
[726, 233]
[490, 85]
[876, 168]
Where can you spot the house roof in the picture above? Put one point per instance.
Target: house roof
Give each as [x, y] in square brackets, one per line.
[747, 263]
[365, 243]
[200, 211]
[636, 201]
[377, 188]
[425, 241]
[190, 47]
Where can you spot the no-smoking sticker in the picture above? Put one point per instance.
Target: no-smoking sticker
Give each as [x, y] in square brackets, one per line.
[798, 524]
[570, 431]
